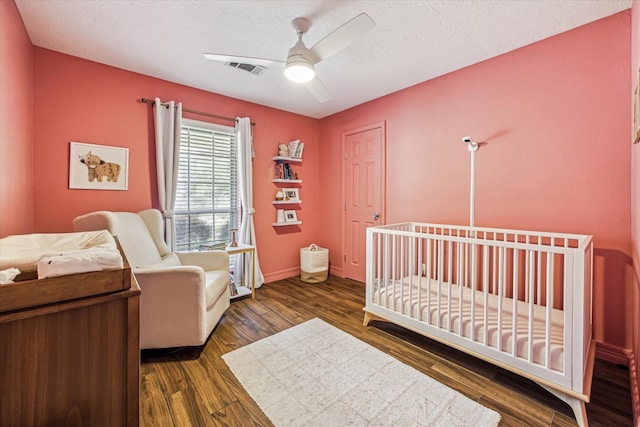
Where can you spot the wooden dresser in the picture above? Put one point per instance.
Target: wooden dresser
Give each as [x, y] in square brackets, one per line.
[70, 350]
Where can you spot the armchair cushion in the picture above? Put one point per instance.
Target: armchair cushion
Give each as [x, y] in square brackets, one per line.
[171, 260]
[136, 240]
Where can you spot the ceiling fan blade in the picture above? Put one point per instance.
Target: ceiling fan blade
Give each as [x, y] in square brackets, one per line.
[244, 59]
[318, 89]
[343, 36]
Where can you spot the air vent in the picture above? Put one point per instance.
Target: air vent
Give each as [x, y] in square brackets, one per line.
[253, 69]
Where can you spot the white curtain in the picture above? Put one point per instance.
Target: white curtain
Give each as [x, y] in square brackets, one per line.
[168, 123]
[245, 176]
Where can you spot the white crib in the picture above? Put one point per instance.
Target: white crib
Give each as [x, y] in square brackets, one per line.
[518, 299]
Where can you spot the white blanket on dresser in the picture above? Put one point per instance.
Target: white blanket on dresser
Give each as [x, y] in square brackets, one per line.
[57, 254]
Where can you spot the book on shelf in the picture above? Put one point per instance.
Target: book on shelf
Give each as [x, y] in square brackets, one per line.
[293, 146]
[295, 149]
[217, 246]
[283, 170]
[277, 171]
[233, 290]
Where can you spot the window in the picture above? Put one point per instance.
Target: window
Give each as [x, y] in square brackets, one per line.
[207, 197]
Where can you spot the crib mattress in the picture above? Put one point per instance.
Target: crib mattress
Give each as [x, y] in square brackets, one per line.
[419, 299]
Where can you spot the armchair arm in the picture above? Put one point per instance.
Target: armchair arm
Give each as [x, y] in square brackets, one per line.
[208, 260]
[172, 306]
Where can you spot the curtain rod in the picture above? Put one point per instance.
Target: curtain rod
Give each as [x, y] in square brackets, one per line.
[188, 110]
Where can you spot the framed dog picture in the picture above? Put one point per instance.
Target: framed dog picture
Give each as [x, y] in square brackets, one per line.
[98, 167]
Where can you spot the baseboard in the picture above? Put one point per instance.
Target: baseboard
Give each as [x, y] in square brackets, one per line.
[282, 274]
[635, 390]
[335, 271]
[612, 353]
[621, 356]
[292, 272]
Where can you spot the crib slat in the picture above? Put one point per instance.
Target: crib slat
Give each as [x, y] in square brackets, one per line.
[384, 254]
[500, 294]
[440, 259]
[420, 275]
[387, 269]
[485, 290]
[401, 273]
[539, 279]
[494, 270]
[449, 281]
[411, 267]
[474, 271]
[466, 265]
[394, 273]
[377, 269]
[514, 324]
[460, 281]
[527, 281]
[532, 273]
[428, 259]
[547, 339]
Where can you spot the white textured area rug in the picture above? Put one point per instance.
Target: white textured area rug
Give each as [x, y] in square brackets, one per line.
[314, 374]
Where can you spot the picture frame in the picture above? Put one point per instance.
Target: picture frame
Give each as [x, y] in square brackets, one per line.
[98, 167]
[291, 194]
[290, 216]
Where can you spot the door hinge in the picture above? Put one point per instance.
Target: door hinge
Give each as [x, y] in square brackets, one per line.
[345, 258]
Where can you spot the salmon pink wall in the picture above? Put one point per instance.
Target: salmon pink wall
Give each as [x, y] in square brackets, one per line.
[83, 101]
[635, 218]
[16, 123]
[554, 119]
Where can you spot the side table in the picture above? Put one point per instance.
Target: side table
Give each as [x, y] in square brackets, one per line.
[245, 249]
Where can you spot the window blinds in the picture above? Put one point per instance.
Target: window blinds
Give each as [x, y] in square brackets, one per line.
[207, 196]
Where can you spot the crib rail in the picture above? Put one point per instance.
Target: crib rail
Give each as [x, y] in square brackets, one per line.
[522, 298]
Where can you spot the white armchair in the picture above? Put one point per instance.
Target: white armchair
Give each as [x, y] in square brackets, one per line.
[184, 294]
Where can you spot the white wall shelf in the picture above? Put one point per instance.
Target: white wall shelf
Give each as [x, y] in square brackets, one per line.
[289, 181]
[286, 159]
[286, 224]
[282, 169]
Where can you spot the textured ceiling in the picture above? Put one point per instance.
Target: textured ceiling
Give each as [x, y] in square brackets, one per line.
[413, 41]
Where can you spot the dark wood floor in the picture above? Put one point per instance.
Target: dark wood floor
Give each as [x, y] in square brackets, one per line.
[194, 387]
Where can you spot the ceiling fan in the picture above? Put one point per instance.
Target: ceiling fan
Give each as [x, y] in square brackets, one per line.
[299, 65]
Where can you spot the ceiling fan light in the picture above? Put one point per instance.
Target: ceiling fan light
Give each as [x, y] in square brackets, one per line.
[299, 71]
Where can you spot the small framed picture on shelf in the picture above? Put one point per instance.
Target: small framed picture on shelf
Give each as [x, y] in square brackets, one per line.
[290, 216]
[291, 194]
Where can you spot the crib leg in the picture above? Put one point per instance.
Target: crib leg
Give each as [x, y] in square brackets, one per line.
[367, 319]
[578, 406]
[580, 411]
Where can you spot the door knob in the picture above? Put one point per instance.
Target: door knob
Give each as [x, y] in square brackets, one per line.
[376, 216]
